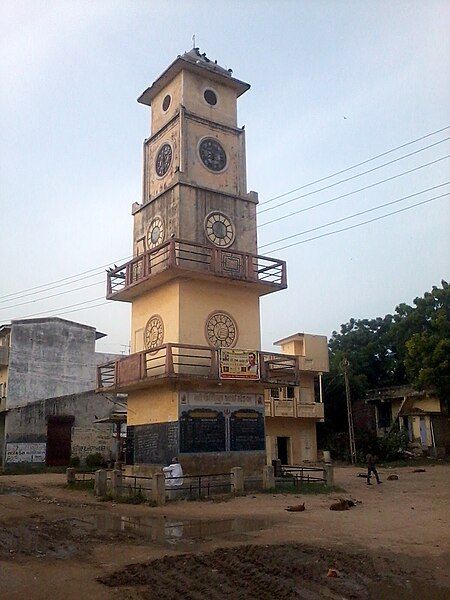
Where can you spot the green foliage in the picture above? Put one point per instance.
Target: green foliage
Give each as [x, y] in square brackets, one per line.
[393, 445]
[95, 460]
[74, 461]
[412, 346]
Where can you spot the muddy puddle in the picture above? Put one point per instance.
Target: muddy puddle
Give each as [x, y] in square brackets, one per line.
[170, 531]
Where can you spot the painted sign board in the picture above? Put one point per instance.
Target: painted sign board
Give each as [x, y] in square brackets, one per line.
[238, 364]
[25, 453]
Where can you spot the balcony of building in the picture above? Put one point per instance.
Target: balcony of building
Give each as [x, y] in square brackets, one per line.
[291, 401]
[187, 363]
[178, 257]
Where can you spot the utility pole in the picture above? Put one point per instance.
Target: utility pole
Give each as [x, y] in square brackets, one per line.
[351, 431]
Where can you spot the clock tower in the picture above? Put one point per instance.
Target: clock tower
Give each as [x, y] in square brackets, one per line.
[196, 376]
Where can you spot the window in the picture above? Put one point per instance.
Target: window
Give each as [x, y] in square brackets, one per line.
[166, 102]
[290, 393]
[275, 393]
[210, 97]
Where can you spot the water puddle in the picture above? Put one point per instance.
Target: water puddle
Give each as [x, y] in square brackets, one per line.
[170, 530]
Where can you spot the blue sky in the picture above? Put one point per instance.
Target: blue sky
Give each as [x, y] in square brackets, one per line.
[333, 83]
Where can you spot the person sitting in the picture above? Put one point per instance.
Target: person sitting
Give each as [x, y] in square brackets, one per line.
[173, 474]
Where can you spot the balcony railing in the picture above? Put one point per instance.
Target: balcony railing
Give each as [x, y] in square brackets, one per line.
[187, 362]
[181, 255]
[293, 408]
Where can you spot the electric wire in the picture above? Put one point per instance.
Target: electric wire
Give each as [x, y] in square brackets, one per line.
[33, 291]
[400, 210]
[63, 279]
[358, 214]
[354, 166]
[274, 250]
[327, 187]
[82, 287]
[366, 187]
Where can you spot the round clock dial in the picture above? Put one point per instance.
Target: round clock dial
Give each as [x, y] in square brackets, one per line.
[221, 330]
[163, 160]
[212, 155]
[154, 332]
[219, 229]
[155, 233]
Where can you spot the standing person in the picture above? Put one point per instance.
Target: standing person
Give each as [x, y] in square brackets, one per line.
[173, 474]
[371, 468]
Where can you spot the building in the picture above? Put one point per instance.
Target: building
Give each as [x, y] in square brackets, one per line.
[291, 412]
[196, 376]
[48, 371]
[420, 413]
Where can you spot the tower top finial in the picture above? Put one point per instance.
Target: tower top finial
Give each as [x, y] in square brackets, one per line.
[193, 41]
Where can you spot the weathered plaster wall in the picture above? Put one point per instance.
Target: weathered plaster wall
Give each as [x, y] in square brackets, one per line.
[49, 358]
[302, 434]
[28, 424]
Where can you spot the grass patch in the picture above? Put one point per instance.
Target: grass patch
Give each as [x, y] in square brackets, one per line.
[87, 484]
[138, 498]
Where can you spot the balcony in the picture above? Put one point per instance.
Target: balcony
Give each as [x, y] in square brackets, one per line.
[293, 408]
[184, 362]
[177, 257]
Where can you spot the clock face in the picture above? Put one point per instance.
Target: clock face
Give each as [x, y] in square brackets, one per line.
[212, 155]
[221, 330]
[163, 160]
[154, 332]
[155, 233]
[219, 229]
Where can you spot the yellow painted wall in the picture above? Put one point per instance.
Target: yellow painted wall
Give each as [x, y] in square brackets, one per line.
[225, 111]
[153, 183]
[200, 298]
[152, 405]
[163, 301]
[159, 118]
[302, 433]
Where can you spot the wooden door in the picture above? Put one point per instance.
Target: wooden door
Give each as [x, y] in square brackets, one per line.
[59, 440]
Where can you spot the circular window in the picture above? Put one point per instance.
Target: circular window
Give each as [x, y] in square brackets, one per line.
[155, 233]
[163, 160]
[210, 97]
[154, 332]
[212, 154]
[166, 102]
[221, 330]
[219, 229]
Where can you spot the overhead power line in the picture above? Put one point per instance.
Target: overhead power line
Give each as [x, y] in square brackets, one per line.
[400, 210]
[358, 214]
[354, 166]
[327, 187]
[82, 287]
[366, 187]
[274, 250]
[8, 296]
[33, 291]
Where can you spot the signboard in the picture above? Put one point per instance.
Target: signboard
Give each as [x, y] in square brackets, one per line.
[246, 430]
[25, 453]
[202, 430]
[238, 364]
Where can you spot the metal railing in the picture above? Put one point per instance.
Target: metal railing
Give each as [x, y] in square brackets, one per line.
[191, 256]
[200, 486]
[187, 361]
[296, 475]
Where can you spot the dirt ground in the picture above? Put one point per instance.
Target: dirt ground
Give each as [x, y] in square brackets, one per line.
[59, 543]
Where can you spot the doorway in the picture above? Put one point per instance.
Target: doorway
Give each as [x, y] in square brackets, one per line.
[283, 450]
[59, 441]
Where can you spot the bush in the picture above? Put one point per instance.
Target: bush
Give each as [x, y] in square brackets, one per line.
[74, 461]
[393, 445]
[95, 461]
